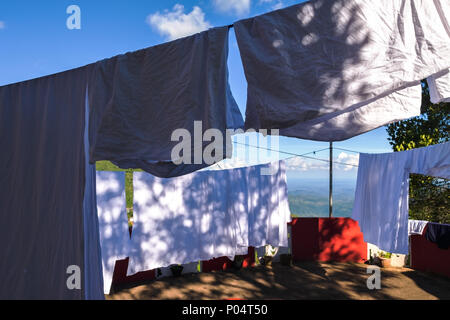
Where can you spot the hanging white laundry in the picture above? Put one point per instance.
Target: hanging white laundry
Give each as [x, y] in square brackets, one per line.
[207, 214]
[268, 206]
[48, 221]
[439, 86]
[382, 190]
[142, 97]
[179, 220]
[93, 281]
[113, 222]
[330, 70]
[416, 226]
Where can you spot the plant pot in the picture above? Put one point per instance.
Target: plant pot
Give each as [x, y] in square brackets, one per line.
[267, 261]
[176, 270]
[385, 262]
[286, 259]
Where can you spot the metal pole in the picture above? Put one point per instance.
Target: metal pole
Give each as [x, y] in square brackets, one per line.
[331, 181]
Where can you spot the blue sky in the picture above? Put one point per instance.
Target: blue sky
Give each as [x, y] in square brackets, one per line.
[34, 41]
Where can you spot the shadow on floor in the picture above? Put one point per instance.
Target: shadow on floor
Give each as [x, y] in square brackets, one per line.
[302, 281]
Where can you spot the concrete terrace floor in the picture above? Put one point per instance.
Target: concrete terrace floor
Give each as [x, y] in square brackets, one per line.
[302, 281]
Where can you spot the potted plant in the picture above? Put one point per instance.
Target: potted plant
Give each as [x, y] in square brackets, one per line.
[384, 259]
[266, 261]
[269, 255]
[176, 270]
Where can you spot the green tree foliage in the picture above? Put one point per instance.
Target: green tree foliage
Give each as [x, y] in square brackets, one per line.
[429, 197]
[108, 166]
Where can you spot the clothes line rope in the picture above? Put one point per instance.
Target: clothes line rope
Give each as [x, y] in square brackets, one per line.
[305, 155]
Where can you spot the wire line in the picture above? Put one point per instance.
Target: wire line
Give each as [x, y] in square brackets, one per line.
[298, 155]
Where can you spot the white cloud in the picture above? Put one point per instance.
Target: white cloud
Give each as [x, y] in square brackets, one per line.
[303, 164]
[177, 24]
[352, 159]
[2, 25]
[238, 7]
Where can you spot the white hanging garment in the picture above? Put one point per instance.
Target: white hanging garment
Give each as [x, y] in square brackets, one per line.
[113, 222]
[207, 214]
[268, 206]
[141, 98]
[382, 190]
[330, 70]
[416, 226]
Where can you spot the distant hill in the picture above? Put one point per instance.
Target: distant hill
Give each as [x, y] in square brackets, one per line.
[309, 198]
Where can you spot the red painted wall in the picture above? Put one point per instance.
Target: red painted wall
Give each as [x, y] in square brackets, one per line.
[120, 274]
[427, 257]
[327, 239]
[216, 264]
[223, 263]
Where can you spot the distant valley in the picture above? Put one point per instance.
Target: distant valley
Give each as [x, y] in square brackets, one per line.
[309, 198]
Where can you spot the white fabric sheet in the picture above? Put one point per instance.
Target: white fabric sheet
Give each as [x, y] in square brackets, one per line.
[207, 214]
[330, 70]
[416, 226]
[268, 206]
[439, 86]
[113, 222]
[47, 193]
[93, 281]
[142, 97]
[382, 190]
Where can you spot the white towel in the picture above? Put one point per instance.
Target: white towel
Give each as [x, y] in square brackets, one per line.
[416, 226]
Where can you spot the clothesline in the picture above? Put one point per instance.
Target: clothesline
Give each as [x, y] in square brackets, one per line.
[294, 155]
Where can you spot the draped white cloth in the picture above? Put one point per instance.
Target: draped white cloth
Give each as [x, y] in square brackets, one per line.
[207, 214]
[382, 190]
[416, 226]
[48, 220]
[93, 281]
[113, 222]
[439, 86]
[330, 70]
[142, 97]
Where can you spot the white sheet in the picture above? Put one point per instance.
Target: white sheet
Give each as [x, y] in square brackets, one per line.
[47, 193]
[382, 190]
[142, 97]
[113, 222]
[268, 206]
[207, 214]
[330, 70]
[93, 281]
